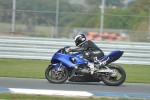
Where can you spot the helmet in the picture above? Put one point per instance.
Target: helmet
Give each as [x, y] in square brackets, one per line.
[80, 39]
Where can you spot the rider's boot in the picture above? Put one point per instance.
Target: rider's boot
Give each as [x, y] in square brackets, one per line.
[98, 65]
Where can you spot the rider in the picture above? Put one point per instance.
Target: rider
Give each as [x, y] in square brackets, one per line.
[89, 49]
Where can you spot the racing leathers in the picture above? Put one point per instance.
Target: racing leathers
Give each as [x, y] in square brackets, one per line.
[90, 52]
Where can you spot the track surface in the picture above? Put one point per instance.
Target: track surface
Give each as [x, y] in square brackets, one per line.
[73, 86]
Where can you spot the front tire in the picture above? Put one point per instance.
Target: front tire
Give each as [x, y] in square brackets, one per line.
[55, 76]
[111, 80]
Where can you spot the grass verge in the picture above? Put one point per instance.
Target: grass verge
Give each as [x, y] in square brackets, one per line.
[36, 68]
[7, 96]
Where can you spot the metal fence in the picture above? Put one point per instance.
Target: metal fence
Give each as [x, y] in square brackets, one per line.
[44, 48]
[106, 20]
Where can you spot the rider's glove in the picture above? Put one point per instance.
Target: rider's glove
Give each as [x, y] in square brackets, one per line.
[71, 50]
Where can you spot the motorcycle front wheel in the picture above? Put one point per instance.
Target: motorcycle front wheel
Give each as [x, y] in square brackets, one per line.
[116, 78]
[55, 76]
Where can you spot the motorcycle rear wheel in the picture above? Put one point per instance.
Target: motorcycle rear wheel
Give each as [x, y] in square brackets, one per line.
[55, 76]
[117, 80]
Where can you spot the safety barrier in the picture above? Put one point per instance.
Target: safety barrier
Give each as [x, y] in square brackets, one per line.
[44, 48]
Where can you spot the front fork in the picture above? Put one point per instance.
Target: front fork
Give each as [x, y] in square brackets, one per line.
[59, 67]
[58, 70]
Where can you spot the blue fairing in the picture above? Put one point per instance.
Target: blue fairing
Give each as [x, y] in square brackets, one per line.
[65, 59]
[113, 56]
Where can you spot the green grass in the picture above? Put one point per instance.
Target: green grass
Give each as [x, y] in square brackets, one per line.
[23, 68]
[137, 73]
[7, 96]
[36, 69]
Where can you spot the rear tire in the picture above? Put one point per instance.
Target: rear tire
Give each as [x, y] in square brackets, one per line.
[112, 81]
[51, 79]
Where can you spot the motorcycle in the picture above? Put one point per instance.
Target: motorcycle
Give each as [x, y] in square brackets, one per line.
[73, 67]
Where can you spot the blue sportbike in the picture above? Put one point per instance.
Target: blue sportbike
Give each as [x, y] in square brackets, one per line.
[73, 67]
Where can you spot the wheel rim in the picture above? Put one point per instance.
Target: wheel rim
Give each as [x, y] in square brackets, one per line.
[115, 76]
[56, 75]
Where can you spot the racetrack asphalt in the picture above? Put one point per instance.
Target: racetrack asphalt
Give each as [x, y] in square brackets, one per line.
[93, 87]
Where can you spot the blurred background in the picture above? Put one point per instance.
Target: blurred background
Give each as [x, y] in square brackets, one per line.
[102, 20]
